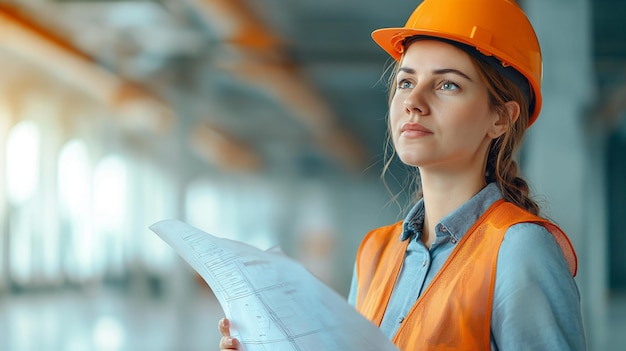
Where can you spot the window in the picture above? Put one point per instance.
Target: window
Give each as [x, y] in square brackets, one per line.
[80, 260]
[22, 183]
[109, 211]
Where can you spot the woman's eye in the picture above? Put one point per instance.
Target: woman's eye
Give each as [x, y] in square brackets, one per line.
[404, 84]
[447, 85]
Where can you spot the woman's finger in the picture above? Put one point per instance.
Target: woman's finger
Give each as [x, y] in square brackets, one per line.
[224, 326]
[227, 342]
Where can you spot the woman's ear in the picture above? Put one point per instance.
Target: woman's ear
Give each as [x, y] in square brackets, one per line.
[507, 117]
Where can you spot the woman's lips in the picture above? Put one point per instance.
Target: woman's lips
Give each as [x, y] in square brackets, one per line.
[414, 130]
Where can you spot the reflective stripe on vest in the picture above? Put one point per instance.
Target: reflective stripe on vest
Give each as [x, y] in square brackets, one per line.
[454, 312]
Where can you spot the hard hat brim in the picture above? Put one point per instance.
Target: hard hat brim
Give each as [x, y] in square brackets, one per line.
[392, 39]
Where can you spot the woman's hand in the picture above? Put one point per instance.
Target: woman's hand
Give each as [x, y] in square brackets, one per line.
[227, 342]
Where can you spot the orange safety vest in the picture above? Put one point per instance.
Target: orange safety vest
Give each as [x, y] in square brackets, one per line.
[454, 312]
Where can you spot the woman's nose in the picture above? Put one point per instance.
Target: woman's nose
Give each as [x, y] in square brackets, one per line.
[415, 102]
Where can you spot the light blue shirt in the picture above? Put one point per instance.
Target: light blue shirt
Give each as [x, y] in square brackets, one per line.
[536, 303]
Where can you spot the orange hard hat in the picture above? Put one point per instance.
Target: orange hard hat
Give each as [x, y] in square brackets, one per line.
[497, 28]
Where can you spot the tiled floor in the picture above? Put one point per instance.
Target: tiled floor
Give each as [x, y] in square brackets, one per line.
[108, 321]
[114, 320]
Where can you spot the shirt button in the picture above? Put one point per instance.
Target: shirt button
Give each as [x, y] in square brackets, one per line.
[444, 229]
[453, 240]
[400, 320]
[424, 263]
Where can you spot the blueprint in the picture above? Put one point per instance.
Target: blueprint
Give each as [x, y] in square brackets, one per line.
[273, 302]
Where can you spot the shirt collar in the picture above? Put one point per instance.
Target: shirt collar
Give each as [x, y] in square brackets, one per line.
[414, 221]
[458, 221]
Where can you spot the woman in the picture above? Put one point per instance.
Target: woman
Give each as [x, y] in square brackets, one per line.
[473, 266]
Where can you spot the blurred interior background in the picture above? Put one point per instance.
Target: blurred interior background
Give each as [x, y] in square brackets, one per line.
[262, 121]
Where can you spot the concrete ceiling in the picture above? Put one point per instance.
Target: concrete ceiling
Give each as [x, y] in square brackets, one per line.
[251, 84]
[272, 82]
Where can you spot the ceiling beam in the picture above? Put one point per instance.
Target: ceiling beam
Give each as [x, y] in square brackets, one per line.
[253, 54]
[24, 38]
[222, 150]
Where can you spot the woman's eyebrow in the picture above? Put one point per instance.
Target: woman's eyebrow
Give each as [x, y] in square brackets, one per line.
[438, 72]
[453, 71]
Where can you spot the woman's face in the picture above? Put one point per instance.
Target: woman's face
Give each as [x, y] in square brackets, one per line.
[439, 114]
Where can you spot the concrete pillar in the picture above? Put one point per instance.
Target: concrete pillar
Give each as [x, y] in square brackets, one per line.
[562, 157]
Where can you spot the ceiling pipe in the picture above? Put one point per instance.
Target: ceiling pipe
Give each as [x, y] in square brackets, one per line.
[137, 107]
[258, 60]
[235, 23]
